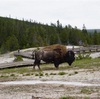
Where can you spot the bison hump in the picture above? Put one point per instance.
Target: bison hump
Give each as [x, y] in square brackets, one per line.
[61, 49]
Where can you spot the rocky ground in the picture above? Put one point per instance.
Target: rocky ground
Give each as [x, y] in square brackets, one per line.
[79, 84]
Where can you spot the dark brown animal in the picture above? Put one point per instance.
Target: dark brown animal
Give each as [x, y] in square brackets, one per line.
[56, 54]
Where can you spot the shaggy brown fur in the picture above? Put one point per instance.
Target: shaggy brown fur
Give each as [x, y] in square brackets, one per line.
[61, 49]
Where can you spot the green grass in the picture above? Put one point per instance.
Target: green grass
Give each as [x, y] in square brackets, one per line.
[53, 74]
[67, 97]
[61, 73]
[84, 63]
[87, 91]
[87, 63]
[18, 58]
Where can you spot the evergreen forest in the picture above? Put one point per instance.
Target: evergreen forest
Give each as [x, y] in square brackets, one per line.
[19, 34]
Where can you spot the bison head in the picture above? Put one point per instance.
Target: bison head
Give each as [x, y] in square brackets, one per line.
[70, 57]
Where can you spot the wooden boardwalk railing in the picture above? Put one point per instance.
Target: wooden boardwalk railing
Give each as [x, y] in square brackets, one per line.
[16, 64]
[76, 50]
[87, 49]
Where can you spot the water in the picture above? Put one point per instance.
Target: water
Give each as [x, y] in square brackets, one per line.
[32, 82]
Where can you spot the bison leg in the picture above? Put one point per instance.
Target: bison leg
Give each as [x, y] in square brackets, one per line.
[34, 66]
[56, 65]
[39, 67]
[36, 63]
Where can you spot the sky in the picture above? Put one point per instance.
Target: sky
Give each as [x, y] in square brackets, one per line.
[73, 12]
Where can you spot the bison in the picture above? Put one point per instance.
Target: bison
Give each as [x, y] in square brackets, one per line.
[56, 54]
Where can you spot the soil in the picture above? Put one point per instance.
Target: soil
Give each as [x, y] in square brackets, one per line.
[80, 84]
